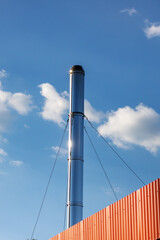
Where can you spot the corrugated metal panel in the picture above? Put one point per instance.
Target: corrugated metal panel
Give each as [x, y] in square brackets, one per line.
[135, 217]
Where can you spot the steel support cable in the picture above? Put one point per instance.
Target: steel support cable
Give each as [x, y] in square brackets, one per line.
[65, 209]
[49, 180]
[101, 164]
[115, 152]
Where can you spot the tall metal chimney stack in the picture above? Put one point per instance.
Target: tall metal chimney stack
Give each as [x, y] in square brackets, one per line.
[75, 152]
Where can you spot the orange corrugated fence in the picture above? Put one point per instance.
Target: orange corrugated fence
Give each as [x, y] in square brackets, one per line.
[135, 217]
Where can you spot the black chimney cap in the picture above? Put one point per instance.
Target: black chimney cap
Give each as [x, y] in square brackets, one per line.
[77, 68]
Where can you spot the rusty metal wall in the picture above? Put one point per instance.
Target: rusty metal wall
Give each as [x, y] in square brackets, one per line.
[135, 217]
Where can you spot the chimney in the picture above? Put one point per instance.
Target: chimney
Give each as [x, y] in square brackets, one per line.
[75, 150]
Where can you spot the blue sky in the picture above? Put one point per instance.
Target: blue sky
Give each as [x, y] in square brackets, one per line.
[118, 45]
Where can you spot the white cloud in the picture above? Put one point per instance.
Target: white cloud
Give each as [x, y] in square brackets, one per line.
[152, 29]
[139, 126]
[16, 163]
[55, 106]
[125, 127]
[130, 11]
[92, 114]
[20, 102]
[63, 151]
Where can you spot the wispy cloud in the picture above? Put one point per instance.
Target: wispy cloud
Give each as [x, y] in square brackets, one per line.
[139, 126]
[92, 114]
[26, 126]
[152, 29]
[3, 140]
[110, 192]
[63, 151]
[2, 152]
[1, 159]
[16, 163]
[5, 119]
[3, 173]
[129, 11]
[3, 73]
